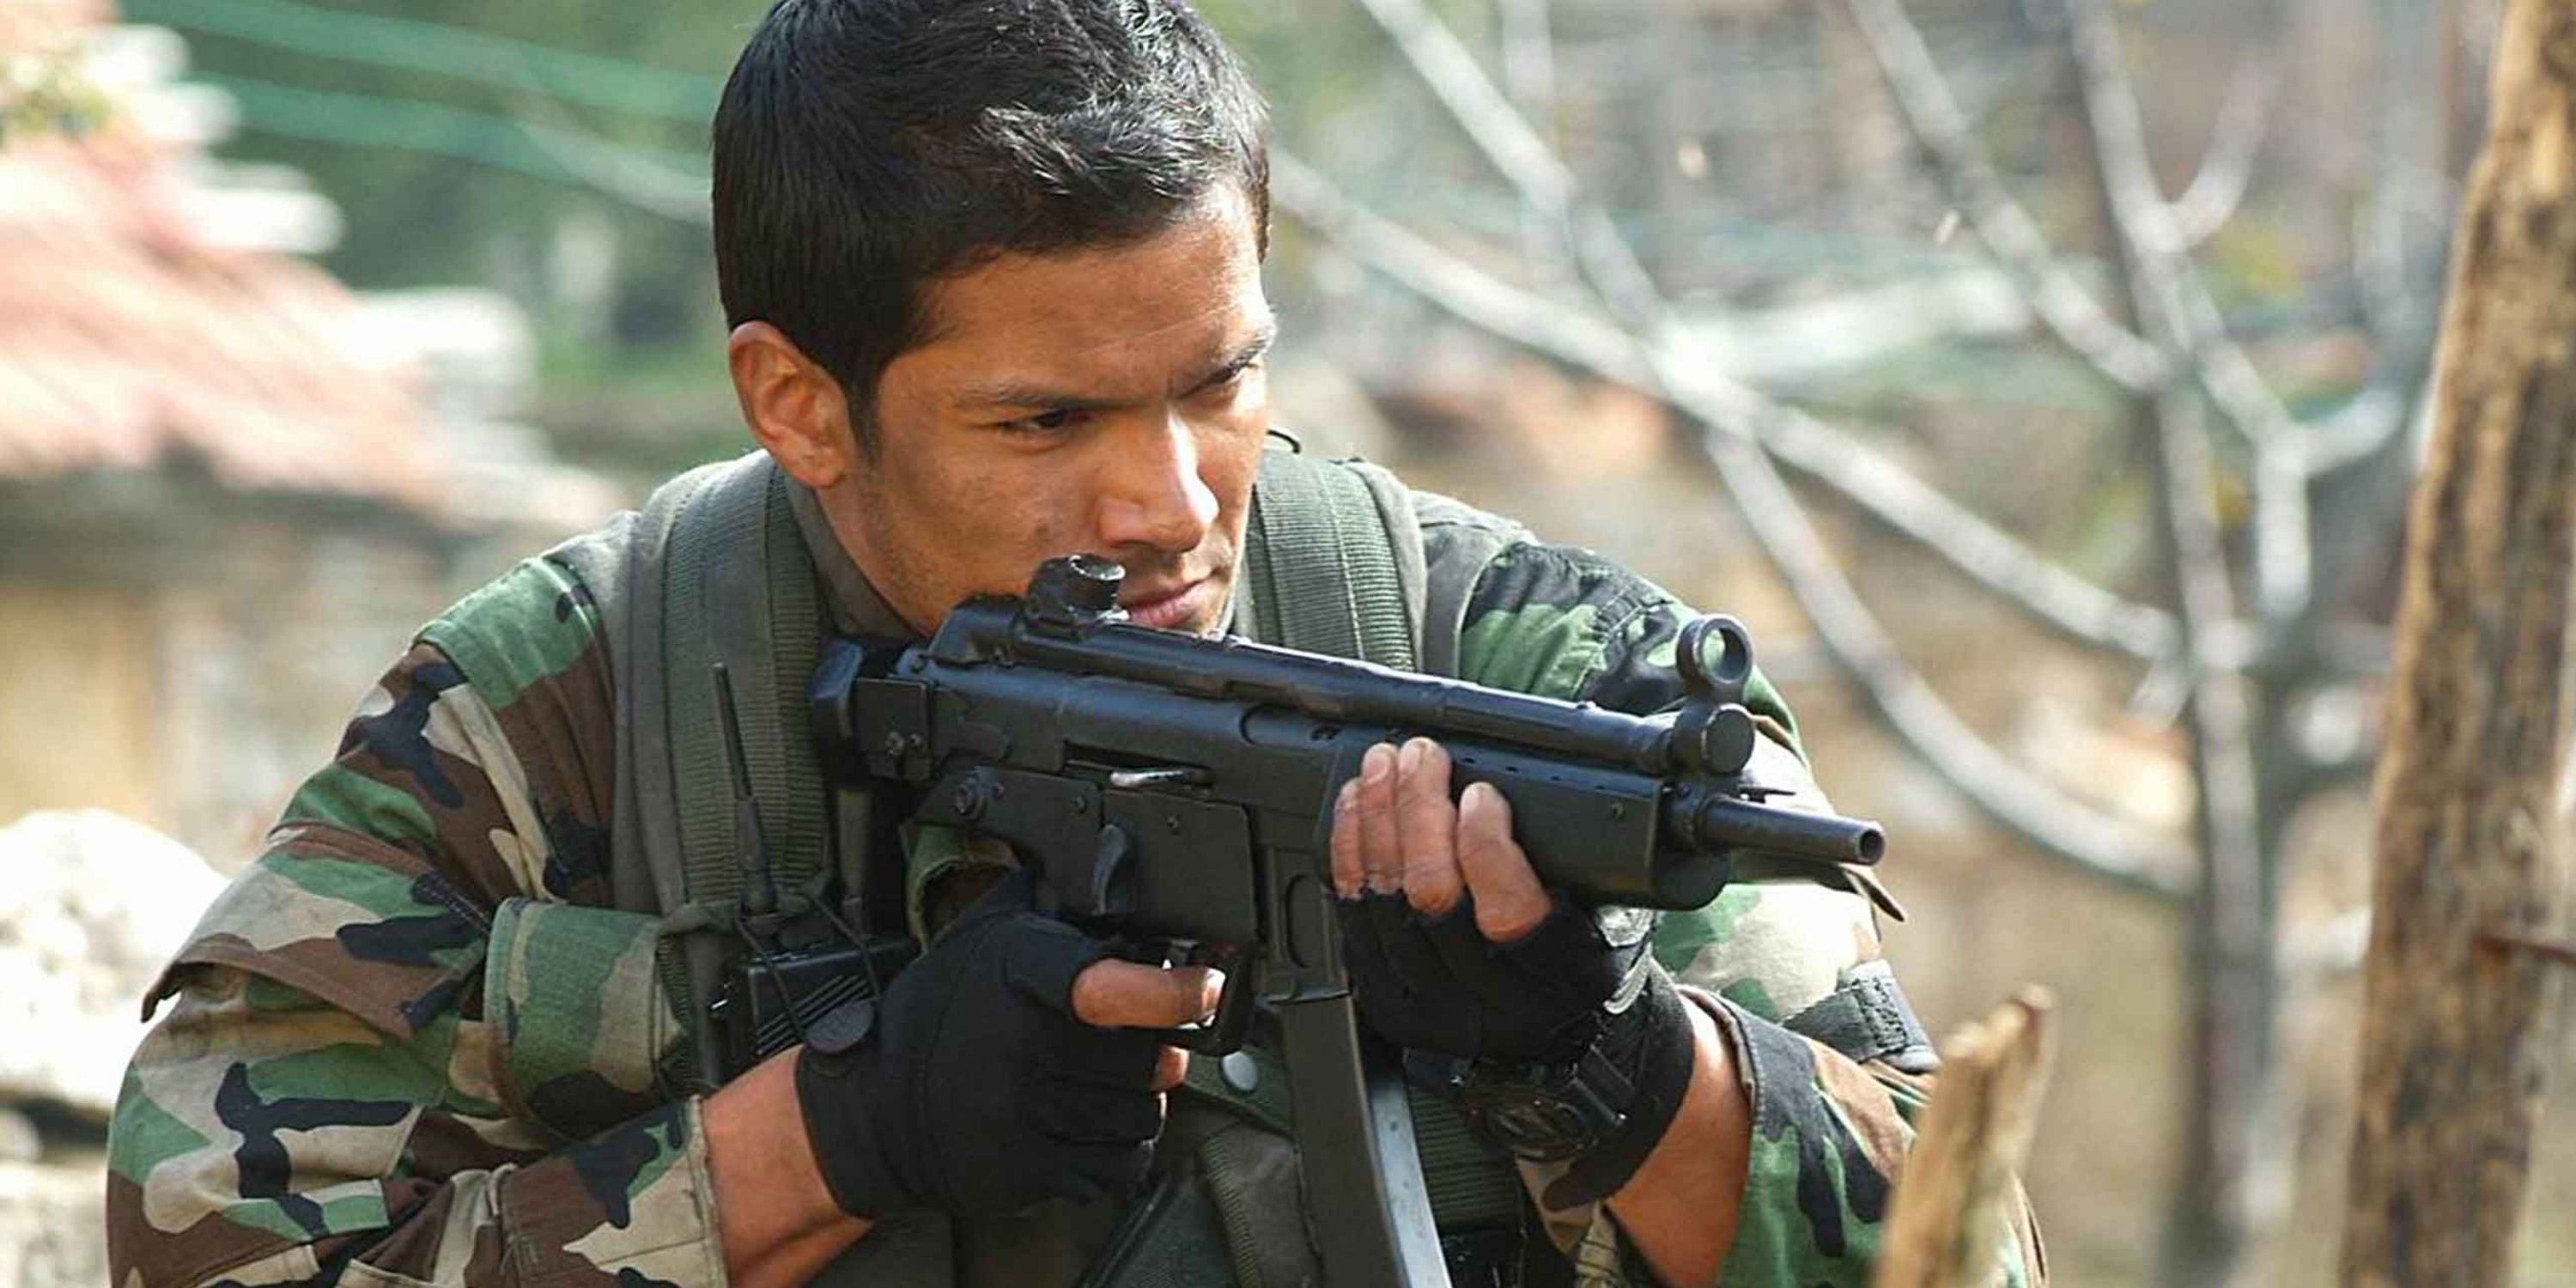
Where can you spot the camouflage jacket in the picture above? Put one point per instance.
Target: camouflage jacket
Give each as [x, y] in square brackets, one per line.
[414, 1042]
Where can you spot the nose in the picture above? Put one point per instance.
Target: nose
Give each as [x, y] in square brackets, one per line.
[1151, 494]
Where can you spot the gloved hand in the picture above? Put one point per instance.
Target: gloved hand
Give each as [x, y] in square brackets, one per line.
[1434, 983]
[1569, 1040]
[976, 1089]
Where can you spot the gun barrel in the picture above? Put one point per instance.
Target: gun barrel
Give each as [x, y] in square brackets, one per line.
[1712, 822]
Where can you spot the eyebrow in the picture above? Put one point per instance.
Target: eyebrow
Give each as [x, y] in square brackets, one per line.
[1240, 356]
[1013, 392]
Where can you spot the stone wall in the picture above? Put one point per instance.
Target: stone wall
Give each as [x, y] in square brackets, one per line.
[93, 905]
[185, 656]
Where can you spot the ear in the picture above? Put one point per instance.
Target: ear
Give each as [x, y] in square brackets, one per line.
[792, 405]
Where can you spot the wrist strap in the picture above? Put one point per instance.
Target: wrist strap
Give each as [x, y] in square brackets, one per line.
[1659, 1061]
[832, 1085]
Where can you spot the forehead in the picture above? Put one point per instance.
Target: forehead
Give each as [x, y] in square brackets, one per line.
[1096, 312]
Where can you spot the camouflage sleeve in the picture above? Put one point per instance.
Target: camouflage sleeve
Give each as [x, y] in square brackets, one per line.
[405, 1045]
[1829, 1134]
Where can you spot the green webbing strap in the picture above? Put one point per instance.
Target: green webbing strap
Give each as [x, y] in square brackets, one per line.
[1471, 1181]
[739, 587]
[795, 803]
[1321, 566]
[742, 591]
[698, 780]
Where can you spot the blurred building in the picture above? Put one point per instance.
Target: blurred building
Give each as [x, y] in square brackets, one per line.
[229, 487]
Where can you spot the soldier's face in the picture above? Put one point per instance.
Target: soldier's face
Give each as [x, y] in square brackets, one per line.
[1099, 401]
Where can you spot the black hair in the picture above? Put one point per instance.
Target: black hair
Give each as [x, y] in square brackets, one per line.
[865, 148]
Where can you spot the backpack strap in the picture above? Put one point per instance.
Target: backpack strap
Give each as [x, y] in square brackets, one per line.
[711, 569]
[1333, 561]
[738, 588]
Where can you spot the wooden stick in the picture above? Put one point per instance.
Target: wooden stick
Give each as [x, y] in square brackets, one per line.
[1948, 1218]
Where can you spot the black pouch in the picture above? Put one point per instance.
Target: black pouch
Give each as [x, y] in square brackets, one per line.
[769, 999]
[1171, 1238]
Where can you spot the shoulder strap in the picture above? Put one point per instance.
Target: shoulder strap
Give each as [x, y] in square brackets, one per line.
[711, 569]
[1333, 561]
[737, 587]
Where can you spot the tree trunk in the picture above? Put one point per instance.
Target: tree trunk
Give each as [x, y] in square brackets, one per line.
[2468, 848]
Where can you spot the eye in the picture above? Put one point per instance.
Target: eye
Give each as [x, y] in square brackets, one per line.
[1044, 423]
[1225, 382]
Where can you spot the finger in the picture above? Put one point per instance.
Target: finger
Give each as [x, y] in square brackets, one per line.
[1418, 996]
[1346, 841]
[1510, 902]
[1041, 957]
[1171, 1068]
[1381, 851]
[1426, 827]
[1112, 993]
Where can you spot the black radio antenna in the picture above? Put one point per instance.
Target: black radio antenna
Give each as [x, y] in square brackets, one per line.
[750, 848]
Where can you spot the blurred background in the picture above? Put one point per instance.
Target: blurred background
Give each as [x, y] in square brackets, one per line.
[2040, 379]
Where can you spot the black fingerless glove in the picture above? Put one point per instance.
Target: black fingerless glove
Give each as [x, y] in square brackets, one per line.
[1568, 1043]
[974, 1089]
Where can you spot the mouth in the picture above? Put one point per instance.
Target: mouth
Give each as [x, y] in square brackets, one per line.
[1169, 608]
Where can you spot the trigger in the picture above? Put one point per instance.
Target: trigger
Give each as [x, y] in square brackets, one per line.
[1225, 1032]
[1111, 895]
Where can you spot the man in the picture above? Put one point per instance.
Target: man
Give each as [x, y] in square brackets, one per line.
[993, 273]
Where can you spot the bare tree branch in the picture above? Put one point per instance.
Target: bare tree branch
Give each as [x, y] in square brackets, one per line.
[1529, 55]
[2361, 426]
[2288, 454]
[2235, 141]
[1529, 77]
[2397, 293]
[2235, 986]
[1892, 495]
[1883, 490]
[2397, 310]
[1446, 65]
[2162, 268]
[1735, 422]
[1568, 335]
[2173, 302]
[1943, 132]
[2329, 948]
[2013, 796]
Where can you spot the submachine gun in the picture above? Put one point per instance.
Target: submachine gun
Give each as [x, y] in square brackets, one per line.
[1177, 792]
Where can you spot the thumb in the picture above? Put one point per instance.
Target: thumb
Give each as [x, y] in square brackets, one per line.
[1112, 993]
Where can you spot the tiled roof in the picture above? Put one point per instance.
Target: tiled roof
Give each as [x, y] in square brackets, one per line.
[126, 338]
[38, 24]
